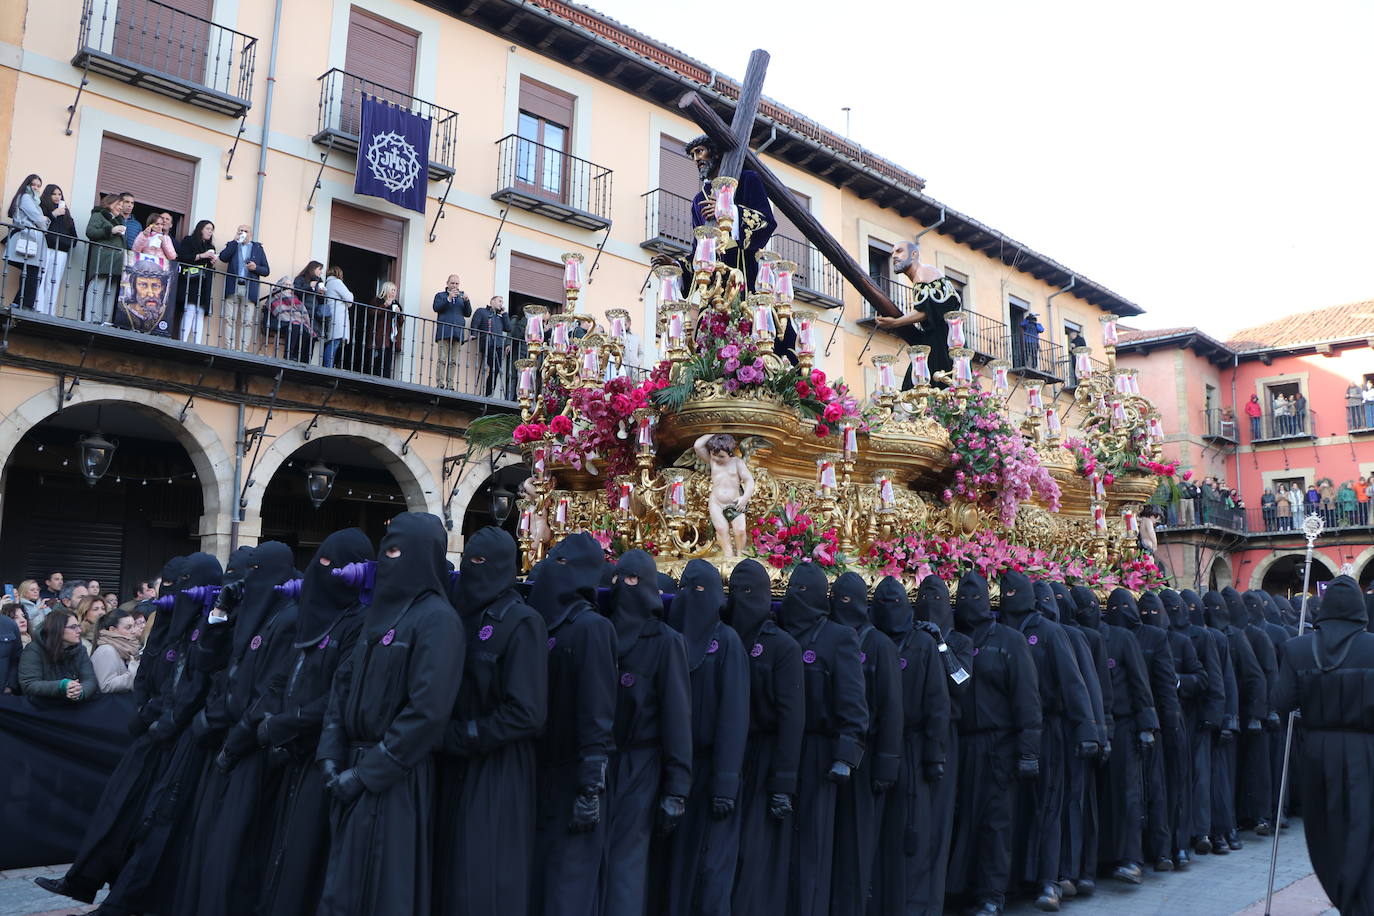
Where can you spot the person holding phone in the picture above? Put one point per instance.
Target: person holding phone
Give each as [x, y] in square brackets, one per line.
[246, 265]
[55, 669]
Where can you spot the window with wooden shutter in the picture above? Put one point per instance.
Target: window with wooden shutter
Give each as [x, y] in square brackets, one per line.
[545, 132]
[367, 230]
[789, 242]
[380, 60]
[670, 216]
[162, 38]
[532, 277]
[156, 178]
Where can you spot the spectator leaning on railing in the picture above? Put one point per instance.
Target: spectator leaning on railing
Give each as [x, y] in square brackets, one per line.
[59, 239]
[25, 245]
[196, 253]
[116, 655]
[106, 230]
[336, 326]
[55, 668]
[245, 264]
[452, 308]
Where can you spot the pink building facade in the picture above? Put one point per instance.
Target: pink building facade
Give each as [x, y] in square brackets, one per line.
[1281, 408]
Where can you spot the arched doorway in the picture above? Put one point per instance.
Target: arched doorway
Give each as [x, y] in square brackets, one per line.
[481, 509]
[1219, 574]
[148, 506]
[363, 494]
[1284, 575]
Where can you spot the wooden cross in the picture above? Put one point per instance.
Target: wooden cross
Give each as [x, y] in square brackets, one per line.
[733, 139]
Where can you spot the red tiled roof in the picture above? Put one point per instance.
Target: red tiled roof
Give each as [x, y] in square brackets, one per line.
[1134, 336]
[1338, 322]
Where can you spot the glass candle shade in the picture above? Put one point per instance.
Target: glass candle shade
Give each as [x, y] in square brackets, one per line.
[887, 378]
[704, 257]
[765, 281]
[920, 363]
[669, 282]
[782, 286]
[572, 272]
[1110, 337]
[954, 330]
[1001, 379]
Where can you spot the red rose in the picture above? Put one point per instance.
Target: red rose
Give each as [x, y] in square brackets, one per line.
[822, 430]
[560, 425]
[803, 390]
[621, 405]
[832, 413]
[824, 393]
[817, 377]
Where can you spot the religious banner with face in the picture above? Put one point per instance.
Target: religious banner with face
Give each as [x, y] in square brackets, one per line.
[393, 155]
[144, 297]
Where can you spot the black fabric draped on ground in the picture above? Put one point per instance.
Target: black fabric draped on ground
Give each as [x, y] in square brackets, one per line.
[56, 764]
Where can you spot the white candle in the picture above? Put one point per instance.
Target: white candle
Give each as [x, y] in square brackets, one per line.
[705, 256]
[1000, 382]
[1110, 337]
[1052, 421]
[827, 473]
[561, 515]
[954, 337]
[887, 379]
[806, 337]
[526, 521]
[1033, 398]
[572, 272]
[645, 436]
[963, 368]
[885, 494]
[783, 282]
[851, 440]
[1128, 517]
[765, 281]
[591, 363]
[764, 327]
[920, 364]
[540, 455]
[534, 329]
[625, 491]
[677, 495]
[1099, 518]
[560, 336]
[1118, 412]
[527, 381]
[1083, 366]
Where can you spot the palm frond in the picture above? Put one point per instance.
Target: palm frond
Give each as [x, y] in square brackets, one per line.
[493, 430]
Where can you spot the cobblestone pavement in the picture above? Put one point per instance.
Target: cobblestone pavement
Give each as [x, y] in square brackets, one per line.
[1213, 886]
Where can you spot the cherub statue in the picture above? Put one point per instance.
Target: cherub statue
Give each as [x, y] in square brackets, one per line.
[732, 486]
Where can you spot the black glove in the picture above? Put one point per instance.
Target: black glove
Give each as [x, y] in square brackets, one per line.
[226, 761]
[1271, 722]
[1146, 739]
[1227, 735]
[839, 772]
[882, 785]
[779, 805]
[1254, 725]
[586, 811]
[1087, 750]
[230, 596]
[328, 769]
[670, 811]
[346, 786]
[1106, 753]
[1028, 767]
[932, 630]
[933, 772]
[721, 807]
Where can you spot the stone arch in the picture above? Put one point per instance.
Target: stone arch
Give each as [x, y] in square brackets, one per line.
[1221, 566]
[1363, 565]
[422, 493]
[1262, 567]
[213, 462]
[477, 473]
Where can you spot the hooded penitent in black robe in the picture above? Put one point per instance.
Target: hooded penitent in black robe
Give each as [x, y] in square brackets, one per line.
[1254, 786]
[1248, 682]
[908, 842]
[573, 751]
[999, 733]
[859, 802]
[1266, 618]
[1329, 676]
[836, 723]
[650, 772]
[486, 769]
[148, 880]
[1176, 762]
[110, 830]
[1067, 728]
[1120, 801]
[328, 620]
[1203, 714]
[1075, 763]
[703, 851]
[956, 658]
[777, 718]
[1082, 820]
[237, 798]
[388, 707]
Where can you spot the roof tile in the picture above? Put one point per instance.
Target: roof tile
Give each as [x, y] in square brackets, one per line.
[1338, 322]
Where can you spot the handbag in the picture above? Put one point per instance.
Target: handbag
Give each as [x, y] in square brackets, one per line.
[25, 246]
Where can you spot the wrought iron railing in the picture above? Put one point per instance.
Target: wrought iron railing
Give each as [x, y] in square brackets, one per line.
[1360, 417]
[341, 111]
[1034, 355]
[1276, 519]
[1220, 424]
[549, 180]
[154, 44]
[815, 274]
[667, 220]
[1291, 423]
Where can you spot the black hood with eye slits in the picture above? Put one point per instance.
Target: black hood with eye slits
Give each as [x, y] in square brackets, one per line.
[751, 599]
[890, 609]
[695, 612]
[419, 569]
[569, 574]
[325, 598]
[933, 604]
[490, 561]
[1018, 597]
[849, 600]
[633, 606]
[972, 606]
[805, 603]
[1152, 611]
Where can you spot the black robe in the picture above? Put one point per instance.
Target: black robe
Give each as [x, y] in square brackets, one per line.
[1203, 716]
[907, 844]
[652, 761]
[327, 626]
[484, 843]
[777, 718]
[1279, 635]
[1067, 726]
[836, 723]
[756, 225]
[1246, 681]
[704, 849]
[573, 751]
[388, 707]
[1000, 724]
[859, 802]
[1329, 676]
[956, 658]
[1119, 791]
[1177, 751]
[109, 834]
[1254, 782]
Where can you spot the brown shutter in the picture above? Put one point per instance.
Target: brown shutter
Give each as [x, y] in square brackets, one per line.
[155, 177]
[676, 173]
[533, 277]
[785, 226]
[789, 242]
[367, 230]
[381, 51]
[546, 102]
[161, 38]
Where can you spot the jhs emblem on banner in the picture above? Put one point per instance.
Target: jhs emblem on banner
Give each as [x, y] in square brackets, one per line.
[393, 154]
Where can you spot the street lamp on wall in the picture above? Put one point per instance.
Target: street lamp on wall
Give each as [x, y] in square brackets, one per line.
[319, 482]
[96, 454]
[502, 501]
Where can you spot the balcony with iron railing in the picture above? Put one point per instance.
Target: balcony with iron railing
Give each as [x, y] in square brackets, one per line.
[816, 280]
[552, 183]
[1035, 357]
[1359, 417]
[163, 49]
[1066, 369]
[339, 122]
[1188, 515]
[667, 222]
[1274, 426]
[1219, 426]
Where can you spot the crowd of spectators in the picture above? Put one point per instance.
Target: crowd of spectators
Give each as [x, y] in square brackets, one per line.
[67, 641]
[1282, 507]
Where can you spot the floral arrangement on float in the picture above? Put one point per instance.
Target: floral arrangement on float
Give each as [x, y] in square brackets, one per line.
[788, 537]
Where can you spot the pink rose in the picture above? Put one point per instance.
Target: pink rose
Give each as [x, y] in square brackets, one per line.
[560, 425]
[832, 413]
[803, 390]
[822, 430]
[817, 377]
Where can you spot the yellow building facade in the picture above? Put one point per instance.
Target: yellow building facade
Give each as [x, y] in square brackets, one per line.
[552, 130]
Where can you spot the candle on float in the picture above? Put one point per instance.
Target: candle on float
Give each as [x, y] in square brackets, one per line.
[704, 257]
[1128, 518]
[887, 497]
[626, 491]
[1001, 380]
[527, 379]
[724, 193]
[677, 496]
[920, 363]
[1034, 400]
[806, 334]
[644, 430]
[541, 455]
[1082, 363]
[954, 335]
[561, 513]
[526, 521]
[782, 284]
[1118, 413]
[1098, 489]
[1156, 429]
[534, 324]
[561, 342]
[1110, 337]
[825, 471]
[1052, 421]
[887, 379]
[765, 327]
[591, 363]
[1133, 382]
[1100, 519]
[676, 328]
[572, 272]
[1122, 382]
[851, 440]
[765, 281]
[963, 365]
[618, 318]
[669, 277]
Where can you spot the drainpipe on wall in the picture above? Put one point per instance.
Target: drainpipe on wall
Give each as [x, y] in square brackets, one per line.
[266, 127]
[238, 481]
[1049, 311]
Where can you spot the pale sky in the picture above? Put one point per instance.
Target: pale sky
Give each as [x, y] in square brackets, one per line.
[1209, 160]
